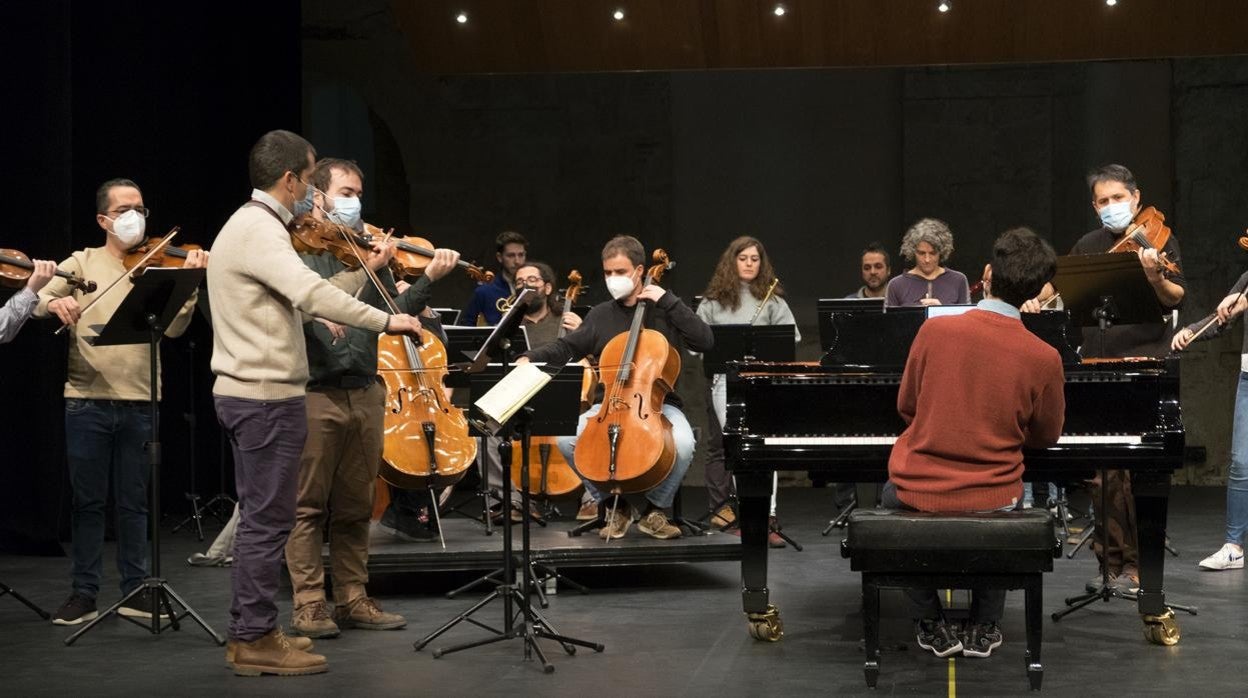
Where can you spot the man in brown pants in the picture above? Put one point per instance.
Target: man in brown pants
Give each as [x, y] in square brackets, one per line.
[345, 428]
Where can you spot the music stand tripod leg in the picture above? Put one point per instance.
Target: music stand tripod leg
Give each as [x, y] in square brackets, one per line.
[6, 589]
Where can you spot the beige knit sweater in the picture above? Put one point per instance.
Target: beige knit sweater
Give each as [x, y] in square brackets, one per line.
[257, 285]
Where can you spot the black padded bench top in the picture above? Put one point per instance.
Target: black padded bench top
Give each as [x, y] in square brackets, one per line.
[999, 542]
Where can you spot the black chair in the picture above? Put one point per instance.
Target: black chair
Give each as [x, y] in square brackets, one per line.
[1005, 550]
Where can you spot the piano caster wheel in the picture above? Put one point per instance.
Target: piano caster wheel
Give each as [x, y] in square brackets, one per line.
[1162, 629]
[766, 626]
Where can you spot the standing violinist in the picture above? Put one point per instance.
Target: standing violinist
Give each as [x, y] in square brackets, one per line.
[623, 265]
[18, 309]
[259, 286]
[510, 249]
[107, 406]
[1116, 200]
[743, 291]
[345, 406]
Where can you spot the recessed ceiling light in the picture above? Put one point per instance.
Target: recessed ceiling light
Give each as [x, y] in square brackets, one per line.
[462, 18]
[779, 10]
[1111, 3]
[945, 6]
[618, 14]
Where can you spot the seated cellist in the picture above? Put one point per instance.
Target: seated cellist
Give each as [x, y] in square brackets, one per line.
[623, 266]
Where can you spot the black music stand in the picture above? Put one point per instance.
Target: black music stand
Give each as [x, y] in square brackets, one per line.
[533, 625]
[197, 512]
[751, 343]
[463, 345]
[5, 589]
[142, 317]
[222, 498]
[825, 307]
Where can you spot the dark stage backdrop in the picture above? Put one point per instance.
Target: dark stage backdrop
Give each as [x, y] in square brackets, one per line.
[171, 95]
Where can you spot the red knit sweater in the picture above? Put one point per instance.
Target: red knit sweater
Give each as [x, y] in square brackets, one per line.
[976, 389]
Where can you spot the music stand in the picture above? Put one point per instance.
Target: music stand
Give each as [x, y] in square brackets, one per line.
[6, 589]
[521, 425]
[750, 343]
[222, 498]
[144, 314]
[825, 307]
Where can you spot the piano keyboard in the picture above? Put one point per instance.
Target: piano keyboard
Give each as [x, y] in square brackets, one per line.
[1073, 439]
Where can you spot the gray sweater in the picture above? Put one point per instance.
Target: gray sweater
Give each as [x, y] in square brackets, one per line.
[776, 312]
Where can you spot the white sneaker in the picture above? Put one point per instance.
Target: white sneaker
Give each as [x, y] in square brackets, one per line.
[1225, 559]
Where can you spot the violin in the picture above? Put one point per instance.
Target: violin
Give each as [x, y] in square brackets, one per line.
[1148, 231]
[628, 446]
[555, 476]
[166, 256]
[413, 254]
[15, 270]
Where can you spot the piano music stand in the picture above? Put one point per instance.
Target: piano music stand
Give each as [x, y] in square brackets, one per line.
[1103, 290]
[750, 343]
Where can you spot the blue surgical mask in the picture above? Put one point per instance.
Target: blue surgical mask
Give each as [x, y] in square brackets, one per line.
[1117, 216]
[347, 210]
[306, 204]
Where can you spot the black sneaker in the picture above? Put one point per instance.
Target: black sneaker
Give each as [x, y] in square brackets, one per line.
[76, 609]
[409, 528]
[982, 640]
[937, 636]
[140, 606]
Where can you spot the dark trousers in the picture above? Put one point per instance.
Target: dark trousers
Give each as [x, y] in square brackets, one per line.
[719, 485]
[267, 439]
[104, 435]
[1117, 546]
[987, 605]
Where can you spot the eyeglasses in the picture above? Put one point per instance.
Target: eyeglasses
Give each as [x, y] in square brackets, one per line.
[534, 281]
[142, 211]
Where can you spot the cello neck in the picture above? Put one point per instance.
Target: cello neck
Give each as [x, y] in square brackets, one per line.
[630, 349]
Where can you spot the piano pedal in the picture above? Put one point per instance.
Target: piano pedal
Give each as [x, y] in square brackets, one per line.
[1162, 629]
[766, 626]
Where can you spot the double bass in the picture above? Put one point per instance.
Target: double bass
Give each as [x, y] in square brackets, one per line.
[555, 476]
[628, 446]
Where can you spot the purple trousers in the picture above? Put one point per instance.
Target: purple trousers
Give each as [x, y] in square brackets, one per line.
[267, 439]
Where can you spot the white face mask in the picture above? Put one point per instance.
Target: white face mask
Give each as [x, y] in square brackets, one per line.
[347, 210]
[129, 228]
[620, 286]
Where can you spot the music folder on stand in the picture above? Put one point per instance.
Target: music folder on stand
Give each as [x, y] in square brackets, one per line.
[510, 411]
[144, 314]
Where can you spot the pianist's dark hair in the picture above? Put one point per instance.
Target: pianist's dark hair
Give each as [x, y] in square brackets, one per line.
[1112, 173]
[724, 286]
[1022, 263]
[878, 248]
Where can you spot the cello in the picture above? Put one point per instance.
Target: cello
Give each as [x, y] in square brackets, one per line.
[555, 477]
[628, 446]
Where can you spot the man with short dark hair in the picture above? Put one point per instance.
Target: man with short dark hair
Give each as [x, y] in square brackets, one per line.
[511, 249]
[970, 459]
[623, 265]
[107, 406]
[259, 286]
[876, 272]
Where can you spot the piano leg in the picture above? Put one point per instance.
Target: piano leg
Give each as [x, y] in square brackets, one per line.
[754, 500]
[1152, 492]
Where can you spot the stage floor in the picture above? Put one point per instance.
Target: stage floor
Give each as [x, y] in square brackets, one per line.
[671, 629]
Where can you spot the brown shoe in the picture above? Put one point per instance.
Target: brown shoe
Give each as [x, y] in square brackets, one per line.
[588, 511]
[302, 644]
[364, 613]
[723, 517]
[618, 524]
[273, 654]
[313, 620]
[773, 538]
[655, 525]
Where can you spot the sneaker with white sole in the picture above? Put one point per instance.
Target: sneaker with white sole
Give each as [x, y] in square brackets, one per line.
[938, 637]
[76, 609]
[981, 640]
[1227, 558]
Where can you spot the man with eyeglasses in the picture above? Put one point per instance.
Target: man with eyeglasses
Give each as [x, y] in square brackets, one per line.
[107, 413]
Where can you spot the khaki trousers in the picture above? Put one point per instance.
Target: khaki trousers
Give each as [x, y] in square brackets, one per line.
[1117, 546]
[336, 485]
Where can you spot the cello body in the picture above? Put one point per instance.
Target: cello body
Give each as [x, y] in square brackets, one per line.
[426, 438]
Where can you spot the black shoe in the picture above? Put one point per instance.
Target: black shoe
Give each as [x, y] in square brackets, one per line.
[982, 640]
[140, 606]
[408, 528]
[76, 609]
[937, 636]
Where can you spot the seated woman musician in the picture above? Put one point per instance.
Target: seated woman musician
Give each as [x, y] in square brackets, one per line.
[927, 245]
[623, 265]
[743, 291]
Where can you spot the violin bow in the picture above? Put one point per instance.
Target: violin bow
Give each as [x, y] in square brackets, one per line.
[164, 242]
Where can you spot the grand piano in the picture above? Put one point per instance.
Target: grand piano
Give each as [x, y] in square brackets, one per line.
[838, 418]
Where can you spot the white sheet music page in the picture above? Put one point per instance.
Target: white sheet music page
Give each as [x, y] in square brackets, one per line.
[511, 393]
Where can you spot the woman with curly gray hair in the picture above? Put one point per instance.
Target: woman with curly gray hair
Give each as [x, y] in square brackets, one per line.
[928, 245]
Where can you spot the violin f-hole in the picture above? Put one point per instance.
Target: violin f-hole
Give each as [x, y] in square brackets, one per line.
[640, 406]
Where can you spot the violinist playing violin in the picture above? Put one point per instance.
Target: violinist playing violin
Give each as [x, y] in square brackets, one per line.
[1116, 200]
[623, 265]
[21, 305]
[259, 286]
[345, 420]
[107, 410]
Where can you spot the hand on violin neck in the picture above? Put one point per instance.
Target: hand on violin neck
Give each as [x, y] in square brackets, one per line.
[196, 259]
[403, 324]
[1151, 261]
[380, 255]
[443, 263]
[40, 276]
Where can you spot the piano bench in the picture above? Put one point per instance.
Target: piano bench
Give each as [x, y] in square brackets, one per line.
[1000, 550]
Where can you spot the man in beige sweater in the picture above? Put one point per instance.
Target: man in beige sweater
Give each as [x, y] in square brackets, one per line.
[107, 410]
[258, 287]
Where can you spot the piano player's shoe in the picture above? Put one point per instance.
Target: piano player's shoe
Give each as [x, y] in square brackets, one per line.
[1128, 582]
[1228, 557]
[981, 640]
[723, 517]
[937, 636]
[1094, 584]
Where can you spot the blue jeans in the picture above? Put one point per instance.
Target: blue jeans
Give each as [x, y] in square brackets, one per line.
[1237, 476]
[664, 493]
[104, 435]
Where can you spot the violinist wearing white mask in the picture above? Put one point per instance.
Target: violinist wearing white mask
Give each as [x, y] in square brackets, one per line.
[107, 413]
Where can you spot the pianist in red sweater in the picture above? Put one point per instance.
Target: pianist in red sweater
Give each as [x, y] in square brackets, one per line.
[977, 388]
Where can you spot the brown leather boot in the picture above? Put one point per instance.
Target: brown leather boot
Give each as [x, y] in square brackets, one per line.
[313, 620]
[303, 644]
[366, 614]
[273, 654]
